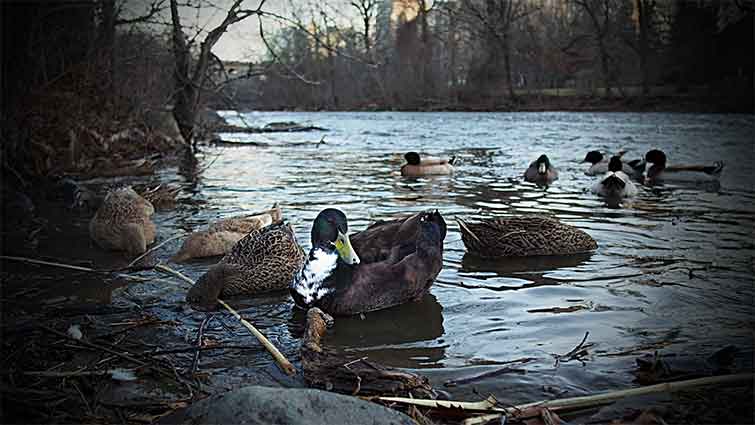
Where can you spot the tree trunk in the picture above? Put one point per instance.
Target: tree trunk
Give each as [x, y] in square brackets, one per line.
[185, 98]
[643, 20]
[604, 67]
[507, 64]
[106, 45]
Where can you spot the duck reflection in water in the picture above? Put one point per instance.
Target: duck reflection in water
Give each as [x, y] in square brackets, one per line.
[510, 265]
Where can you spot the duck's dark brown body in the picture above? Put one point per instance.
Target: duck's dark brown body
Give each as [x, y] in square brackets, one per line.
[400, 261]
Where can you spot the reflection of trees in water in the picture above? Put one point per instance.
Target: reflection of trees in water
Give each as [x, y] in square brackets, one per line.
[392, 336]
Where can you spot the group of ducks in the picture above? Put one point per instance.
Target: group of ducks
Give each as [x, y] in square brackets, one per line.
[616, 176]
[389, 263]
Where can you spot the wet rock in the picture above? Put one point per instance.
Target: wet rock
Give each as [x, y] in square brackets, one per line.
[265, 405]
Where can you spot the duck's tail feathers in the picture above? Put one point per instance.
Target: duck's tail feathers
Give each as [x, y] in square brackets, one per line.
[637, 165]
[613, 183]
[715, 169]
[465, 230]
[452, 160]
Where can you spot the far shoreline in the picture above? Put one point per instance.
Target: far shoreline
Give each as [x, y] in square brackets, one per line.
[653, 104]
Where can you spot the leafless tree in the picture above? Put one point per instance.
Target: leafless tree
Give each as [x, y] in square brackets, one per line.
[367, 11]
[495, 20]
[189, 79]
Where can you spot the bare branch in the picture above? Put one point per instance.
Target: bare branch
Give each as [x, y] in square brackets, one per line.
[277, 59]
[156, 7]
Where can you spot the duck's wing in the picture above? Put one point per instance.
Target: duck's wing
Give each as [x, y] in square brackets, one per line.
[247, 223]
[712, 170]
[376, 242]
[524, 236]
[531, 172]
[614, 185]
[276, 241]
[596, 169]
[435, 161]
[391, 282]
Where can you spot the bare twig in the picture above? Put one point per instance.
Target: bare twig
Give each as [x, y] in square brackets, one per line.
[200, 338]
[154, 248]
[278, 59]
[165, 269]
[195, 348]
[95, 346]
[283, 363]
[574, 403]
[576, 353]
[47, 263]
[489, 374]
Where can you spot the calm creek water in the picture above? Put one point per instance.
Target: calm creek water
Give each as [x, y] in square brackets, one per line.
[673, 270]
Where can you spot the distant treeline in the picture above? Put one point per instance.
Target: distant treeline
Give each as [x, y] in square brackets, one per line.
[72, 69]
[502, 54]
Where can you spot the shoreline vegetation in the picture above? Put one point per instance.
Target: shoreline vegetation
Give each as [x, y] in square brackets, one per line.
[576, 103]
[660, 99]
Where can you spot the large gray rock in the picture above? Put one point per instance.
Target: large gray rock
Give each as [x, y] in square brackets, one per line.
[291, 406]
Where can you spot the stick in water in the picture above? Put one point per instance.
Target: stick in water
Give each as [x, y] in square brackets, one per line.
[489, 405]
[283, 363]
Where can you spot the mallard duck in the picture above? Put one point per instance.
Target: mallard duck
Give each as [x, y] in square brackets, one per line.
[615, 183]
[541, 172]
[599, 163]
[400, 260]
[221, 236]
[122, 222]
[660, 172]
[264, 260]
[523, 236]
[425, 167]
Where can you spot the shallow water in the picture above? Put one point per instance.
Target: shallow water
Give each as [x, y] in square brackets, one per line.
[673, 269]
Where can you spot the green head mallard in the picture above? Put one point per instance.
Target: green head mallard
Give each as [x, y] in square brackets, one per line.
[405, 257]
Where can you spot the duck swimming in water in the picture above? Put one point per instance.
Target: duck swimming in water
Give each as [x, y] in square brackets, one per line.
[660, 172]
[264, 260]
[541, 172]
[415, 166]
[599, 164]
[221, 236]
[615, 184]
[122, 223]
[399, 261]
[523, 236]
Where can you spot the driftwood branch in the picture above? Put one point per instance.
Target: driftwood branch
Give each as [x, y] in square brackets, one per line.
[491, 408]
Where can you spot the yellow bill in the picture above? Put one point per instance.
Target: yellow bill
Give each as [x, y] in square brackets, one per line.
[345, 251]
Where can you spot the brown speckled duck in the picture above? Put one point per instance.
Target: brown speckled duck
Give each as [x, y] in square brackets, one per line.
[523, 236]
[221, 236]
[264, 260]
[122, 222]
